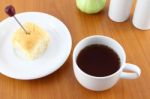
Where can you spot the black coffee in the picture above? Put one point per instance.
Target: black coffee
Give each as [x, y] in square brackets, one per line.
[98, 60]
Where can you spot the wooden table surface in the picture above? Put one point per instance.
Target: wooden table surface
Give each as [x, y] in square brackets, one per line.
[62, 84]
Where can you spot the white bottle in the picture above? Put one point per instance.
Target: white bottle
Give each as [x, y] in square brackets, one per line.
[119, 10]
[141, 18]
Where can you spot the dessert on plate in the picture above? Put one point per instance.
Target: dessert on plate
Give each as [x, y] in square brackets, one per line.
[32, 45]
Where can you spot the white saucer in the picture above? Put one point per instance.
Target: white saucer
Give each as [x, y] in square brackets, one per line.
[54, 57]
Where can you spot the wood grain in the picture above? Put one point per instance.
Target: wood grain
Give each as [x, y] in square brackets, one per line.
[62, 84]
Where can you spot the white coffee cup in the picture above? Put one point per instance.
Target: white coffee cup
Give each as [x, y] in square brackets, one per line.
[103, 83]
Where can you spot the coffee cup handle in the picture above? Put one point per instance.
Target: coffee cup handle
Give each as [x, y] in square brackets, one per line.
[135, 71]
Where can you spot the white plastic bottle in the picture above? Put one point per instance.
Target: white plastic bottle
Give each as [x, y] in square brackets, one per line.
[141, 18]
[119, 10]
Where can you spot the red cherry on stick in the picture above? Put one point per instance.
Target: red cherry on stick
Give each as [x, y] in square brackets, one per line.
[10, 10]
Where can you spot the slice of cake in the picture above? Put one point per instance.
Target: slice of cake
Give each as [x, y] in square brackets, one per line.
[30, 46]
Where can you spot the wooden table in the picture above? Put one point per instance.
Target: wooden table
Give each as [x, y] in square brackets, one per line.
[62, 84]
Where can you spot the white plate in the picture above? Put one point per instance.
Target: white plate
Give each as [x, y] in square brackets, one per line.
[54, 57]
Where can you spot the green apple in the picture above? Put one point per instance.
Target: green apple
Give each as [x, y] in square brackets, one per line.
[90, 6]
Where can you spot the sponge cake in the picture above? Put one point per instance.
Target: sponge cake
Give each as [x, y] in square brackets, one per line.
[33, 45]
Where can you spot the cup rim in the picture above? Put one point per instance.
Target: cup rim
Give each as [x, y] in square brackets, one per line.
[92, 76]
